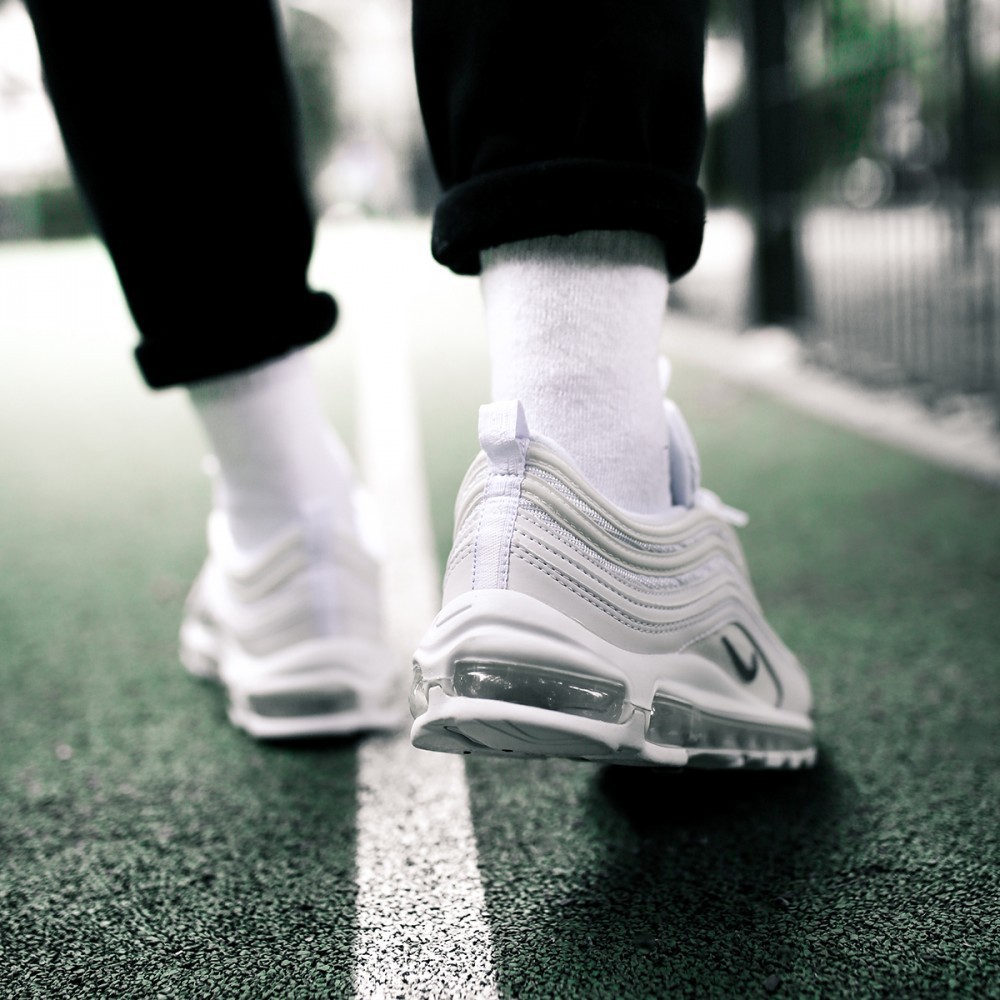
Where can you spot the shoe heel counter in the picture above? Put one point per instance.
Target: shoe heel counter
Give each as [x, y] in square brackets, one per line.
[503, 436]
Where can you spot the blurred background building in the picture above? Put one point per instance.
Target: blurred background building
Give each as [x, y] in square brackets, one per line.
[852, 165]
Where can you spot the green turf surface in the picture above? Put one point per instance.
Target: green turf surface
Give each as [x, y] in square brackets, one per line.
[147, 849]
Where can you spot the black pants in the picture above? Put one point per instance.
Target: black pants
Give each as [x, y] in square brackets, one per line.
[543, 117]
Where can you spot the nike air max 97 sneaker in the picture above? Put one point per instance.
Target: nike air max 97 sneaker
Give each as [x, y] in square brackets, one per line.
[570, 628]
[292, 632]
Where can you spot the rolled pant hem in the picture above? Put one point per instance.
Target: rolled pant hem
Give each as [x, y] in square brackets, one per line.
[183, 359]
[568, 196]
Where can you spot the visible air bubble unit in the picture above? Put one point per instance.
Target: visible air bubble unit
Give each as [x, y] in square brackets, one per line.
[418, 694]
[536, 686]
[301, 704]
[676, 723]
[673, 722]
[541, 687]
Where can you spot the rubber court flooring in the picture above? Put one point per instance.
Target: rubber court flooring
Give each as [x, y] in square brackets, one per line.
[149, 850]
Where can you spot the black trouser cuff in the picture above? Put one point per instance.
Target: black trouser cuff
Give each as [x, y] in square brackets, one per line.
[270, 333]
[568, 196]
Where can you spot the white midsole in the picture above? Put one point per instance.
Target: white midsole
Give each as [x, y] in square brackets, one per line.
[360, 666]
[502, 626]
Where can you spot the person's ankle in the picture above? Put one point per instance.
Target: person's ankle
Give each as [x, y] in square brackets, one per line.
[575, 325]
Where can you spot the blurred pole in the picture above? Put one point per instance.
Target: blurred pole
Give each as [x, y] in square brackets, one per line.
[772, 165]
[963, 139]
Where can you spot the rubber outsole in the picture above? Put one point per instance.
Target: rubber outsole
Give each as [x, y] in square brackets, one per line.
[501, 729]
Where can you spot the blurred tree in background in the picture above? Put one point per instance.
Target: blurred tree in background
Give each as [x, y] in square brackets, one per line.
[862, 156]
[891, 86]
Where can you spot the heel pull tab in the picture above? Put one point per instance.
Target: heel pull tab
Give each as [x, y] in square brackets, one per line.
[503, 436]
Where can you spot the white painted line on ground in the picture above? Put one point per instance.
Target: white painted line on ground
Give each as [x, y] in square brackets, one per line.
[421, 912]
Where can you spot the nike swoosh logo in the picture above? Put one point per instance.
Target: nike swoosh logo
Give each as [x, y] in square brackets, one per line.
[747, 671]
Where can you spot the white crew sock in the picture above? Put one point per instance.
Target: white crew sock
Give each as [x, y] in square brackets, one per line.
[279, 460]
[574, 325]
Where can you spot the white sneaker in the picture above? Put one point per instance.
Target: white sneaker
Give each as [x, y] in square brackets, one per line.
[292, 632]
[570, 628]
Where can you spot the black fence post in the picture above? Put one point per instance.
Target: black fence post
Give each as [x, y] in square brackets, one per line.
[963, 118]
[772, 166]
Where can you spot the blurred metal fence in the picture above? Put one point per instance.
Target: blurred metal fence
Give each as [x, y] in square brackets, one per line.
[905, 279]
[901, 294]
[868, 139]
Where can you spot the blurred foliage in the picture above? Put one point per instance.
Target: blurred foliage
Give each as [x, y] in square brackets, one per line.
[840, 92]
[47, 213]
[856, 73]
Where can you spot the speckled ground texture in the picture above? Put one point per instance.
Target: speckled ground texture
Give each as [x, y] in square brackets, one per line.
[148, 850]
